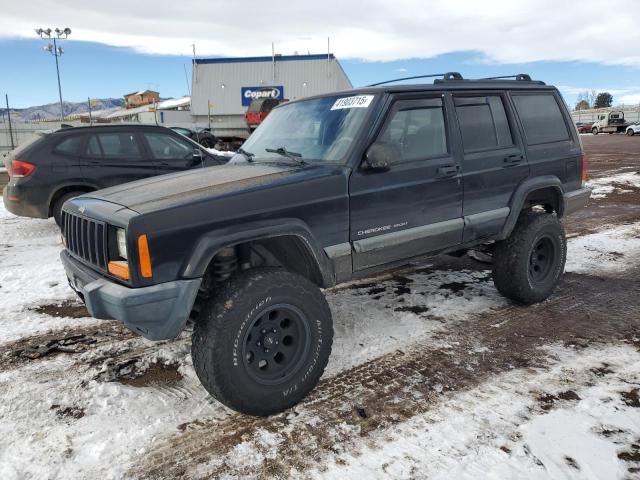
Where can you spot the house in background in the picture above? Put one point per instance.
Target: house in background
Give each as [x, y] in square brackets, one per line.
[143, 97]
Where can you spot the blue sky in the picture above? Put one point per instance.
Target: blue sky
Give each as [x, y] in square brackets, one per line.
[98, 70]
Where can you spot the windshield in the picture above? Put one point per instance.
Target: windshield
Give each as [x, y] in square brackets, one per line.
[316, 130]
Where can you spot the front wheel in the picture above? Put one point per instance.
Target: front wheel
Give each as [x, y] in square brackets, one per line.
[595, 130]
[262, 342]
[528, 265]
[631, 132]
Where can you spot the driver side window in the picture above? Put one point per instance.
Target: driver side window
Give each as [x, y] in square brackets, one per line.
[167, 147]
[417, 127]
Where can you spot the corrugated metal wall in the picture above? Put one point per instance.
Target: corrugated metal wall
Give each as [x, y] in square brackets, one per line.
[220, 81]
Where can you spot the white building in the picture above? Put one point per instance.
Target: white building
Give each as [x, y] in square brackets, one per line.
[224, 87]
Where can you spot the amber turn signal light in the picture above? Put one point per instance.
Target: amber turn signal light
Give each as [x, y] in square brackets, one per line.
[119, 268]
[145, 257]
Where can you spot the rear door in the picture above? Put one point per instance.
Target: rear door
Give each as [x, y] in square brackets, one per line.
[493, 161]
[415, 207]
[115, 157]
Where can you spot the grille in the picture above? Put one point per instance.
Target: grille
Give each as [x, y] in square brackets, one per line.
[85, 239]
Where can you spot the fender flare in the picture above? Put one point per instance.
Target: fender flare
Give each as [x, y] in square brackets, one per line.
[521, 193]
[211, 243]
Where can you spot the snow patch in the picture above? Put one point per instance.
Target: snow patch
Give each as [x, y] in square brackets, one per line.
[609, 251]
[604, 186]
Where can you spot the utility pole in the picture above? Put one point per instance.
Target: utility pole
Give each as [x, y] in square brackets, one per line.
[56, 51]
[6, 96]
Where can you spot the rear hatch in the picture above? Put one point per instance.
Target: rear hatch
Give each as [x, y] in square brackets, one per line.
[20, 151]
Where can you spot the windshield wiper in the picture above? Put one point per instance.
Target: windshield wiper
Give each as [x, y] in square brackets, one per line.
[286, 153]
[248, 155]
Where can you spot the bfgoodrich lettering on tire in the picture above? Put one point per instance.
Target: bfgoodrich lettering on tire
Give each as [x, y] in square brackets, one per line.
[528, 265]
[262, 342]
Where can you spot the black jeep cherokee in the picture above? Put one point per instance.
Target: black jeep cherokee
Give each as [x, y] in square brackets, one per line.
[329, 189]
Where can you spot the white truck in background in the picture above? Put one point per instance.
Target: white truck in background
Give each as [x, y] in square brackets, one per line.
[610, 122]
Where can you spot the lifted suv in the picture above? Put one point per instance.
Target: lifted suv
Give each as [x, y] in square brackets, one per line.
[329, 189]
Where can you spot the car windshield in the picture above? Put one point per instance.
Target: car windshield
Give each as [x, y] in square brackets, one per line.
[315, 130]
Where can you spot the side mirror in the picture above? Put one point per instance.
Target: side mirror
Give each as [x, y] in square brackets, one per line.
[380, 156]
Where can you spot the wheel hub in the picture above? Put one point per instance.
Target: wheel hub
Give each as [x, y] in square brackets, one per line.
[541, 260]
[270, 340]
[276, 344]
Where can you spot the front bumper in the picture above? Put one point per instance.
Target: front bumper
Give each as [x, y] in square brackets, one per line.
[575, 200]
[158, 312]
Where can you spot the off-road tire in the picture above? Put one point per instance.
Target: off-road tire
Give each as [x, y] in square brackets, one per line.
[57, 206]
[226, 323]
[514, 261]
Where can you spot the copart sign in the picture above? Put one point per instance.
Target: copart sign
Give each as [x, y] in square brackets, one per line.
[250, 93]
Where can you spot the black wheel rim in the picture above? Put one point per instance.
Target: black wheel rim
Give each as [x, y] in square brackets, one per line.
[276, 344]
[542, 260]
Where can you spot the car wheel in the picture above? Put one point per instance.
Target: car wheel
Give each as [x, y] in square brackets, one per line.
[631, 132]
[528, 265]
[595, 131]
[263, 341]
[57, 206]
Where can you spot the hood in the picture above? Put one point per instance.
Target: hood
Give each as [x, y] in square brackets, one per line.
[165, 191]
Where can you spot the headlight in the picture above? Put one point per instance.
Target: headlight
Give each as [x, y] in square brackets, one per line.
[122, 242]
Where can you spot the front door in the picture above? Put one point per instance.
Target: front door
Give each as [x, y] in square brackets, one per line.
[414, 207]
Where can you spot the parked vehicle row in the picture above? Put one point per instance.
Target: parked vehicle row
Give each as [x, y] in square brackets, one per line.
[202, 136]
[56, 166]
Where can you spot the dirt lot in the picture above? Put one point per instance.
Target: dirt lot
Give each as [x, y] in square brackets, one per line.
[433, 374]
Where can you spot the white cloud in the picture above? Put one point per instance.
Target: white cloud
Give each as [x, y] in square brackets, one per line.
[503, 31]
[401, 70]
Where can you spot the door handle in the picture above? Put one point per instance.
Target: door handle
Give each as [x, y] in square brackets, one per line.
[447, 171]
[511, 159]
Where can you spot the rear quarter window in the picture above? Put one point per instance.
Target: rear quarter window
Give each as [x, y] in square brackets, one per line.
[69, 145]
[541, 118]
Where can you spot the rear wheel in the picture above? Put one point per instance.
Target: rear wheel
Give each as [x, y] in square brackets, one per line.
[57, 206]
[528, 265]
[262, 342]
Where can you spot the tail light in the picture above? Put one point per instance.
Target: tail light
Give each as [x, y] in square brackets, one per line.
[583, 171]
[21, 169]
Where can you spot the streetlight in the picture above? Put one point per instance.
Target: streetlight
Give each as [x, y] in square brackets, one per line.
[56, 51]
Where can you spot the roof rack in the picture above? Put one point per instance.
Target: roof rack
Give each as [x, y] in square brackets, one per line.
[445, 76]
[521, 77]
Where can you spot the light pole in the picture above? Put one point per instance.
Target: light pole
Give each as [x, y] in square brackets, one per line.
[56, 51]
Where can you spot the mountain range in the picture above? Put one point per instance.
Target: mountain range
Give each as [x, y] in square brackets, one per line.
[52, 110]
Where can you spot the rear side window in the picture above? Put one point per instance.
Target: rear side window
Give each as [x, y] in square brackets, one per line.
[114, 146]
[69, 145]
[541, 118]
[483, 123]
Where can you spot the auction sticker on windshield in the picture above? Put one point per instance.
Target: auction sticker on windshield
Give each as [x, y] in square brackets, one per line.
[359, 101]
